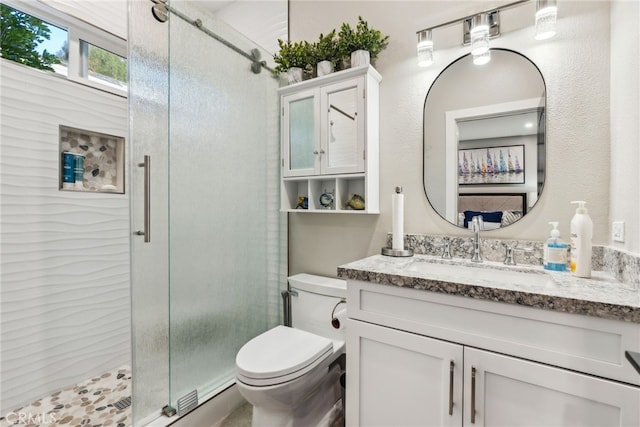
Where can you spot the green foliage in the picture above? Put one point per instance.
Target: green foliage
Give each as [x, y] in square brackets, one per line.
[362, 37]
[326, 48]
[330, 47]
[107, 64]
[293, 54]
[20, 35]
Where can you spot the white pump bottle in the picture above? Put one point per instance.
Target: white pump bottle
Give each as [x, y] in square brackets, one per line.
[581, 234]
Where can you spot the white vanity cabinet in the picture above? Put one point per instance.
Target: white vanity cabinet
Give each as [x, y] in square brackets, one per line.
[329, 131]
[415, 358]
[395, 378]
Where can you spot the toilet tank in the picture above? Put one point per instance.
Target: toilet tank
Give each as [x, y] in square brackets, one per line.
[313, 298]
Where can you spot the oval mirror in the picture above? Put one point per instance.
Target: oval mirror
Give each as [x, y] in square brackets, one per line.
[484, 139]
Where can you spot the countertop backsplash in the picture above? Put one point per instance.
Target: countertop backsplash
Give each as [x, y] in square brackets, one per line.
[624, 266]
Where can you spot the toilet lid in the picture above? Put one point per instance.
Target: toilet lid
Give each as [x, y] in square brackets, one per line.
[281, 352]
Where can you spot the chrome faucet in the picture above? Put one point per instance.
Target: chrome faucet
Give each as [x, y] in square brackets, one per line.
[476, 226]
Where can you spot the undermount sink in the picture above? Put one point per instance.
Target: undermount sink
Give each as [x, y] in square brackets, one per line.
[477, 273]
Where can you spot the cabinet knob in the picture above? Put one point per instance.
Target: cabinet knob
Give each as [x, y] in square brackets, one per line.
[315, 151]
[321, 151]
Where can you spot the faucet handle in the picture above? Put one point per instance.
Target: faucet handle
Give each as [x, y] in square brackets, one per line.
[509, 257]
[446, 247]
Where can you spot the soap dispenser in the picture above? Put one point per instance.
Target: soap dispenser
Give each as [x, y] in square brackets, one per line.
[581, 234]
[555, 251]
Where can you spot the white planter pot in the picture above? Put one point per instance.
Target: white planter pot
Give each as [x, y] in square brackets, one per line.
[324, 68]
[294, 75]
[360, 58]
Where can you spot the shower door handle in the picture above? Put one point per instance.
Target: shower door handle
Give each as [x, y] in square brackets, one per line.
[146, 232]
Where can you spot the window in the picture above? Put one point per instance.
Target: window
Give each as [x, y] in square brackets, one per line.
[100, 65]
[46, 39]
[31, 41]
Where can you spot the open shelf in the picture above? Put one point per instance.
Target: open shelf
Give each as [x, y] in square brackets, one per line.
[90, 161]
[347, 192]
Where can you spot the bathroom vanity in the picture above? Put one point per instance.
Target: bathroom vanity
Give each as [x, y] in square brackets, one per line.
[436, 342]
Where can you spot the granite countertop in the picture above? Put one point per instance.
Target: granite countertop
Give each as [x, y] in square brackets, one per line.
[600, 296]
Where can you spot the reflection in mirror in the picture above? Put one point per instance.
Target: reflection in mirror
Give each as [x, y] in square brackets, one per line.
[484, 140]
[342, 129]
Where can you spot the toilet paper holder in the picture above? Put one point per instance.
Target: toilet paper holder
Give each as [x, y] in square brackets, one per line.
[335, 322]
[397, 248]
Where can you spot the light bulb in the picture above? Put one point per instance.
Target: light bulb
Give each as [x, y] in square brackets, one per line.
[479, 34]
[546, 12]
[483, 58]
[425, 48]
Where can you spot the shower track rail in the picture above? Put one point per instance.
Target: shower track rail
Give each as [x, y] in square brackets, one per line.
[160, 9]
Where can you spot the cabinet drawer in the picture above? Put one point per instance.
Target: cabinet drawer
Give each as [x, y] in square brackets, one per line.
[581, 343]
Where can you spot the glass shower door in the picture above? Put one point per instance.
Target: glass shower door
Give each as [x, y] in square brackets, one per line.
[224, 223]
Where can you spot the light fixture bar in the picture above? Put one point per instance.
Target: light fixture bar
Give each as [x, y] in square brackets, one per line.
[468, 17]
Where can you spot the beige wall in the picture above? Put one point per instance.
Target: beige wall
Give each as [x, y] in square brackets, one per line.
[625, 121]
[575, 65]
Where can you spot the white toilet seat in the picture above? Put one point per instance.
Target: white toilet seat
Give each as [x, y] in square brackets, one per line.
[280, 355]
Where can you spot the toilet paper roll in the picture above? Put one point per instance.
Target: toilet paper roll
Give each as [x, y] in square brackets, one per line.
[341, 316]
[397, 218]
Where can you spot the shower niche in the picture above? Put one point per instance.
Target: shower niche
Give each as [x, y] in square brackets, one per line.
[329, 131]
[91, 161]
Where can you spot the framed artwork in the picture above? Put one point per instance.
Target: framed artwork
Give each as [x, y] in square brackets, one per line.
[491, 165]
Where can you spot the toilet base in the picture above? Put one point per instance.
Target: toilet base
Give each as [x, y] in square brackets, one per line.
[333, 418]
[313, 407]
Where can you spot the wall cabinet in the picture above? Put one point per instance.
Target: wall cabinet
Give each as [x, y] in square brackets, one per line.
[329, 131]
[402, 377]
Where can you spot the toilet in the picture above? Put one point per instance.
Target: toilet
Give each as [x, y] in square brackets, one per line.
[291, 375]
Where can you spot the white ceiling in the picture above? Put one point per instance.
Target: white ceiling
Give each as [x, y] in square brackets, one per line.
[498, 127]
[261, 21]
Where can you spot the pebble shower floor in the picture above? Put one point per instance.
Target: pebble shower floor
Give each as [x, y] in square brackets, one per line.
[101, 401]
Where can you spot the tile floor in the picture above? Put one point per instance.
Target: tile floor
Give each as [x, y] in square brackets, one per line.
[104, 401]
[241, 417]
[97, 402]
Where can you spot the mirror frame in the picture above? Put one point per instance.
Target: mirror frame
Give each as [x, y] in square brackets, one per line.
[450, 124]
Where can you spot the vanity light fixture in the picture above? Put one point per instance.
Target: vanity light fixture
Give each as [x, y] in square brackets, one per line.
[546, 12]
[479, 34]
[477, 29]
[425, 48]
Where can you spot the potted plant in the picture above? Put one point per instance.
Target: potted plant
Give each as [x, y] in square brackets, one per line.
[293, 59]
[325, 53]
[362, 44]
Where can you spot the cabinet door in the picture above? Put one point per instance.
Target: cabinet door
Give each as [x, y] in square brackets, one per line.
[513, 392]
[395, 378]
[301, 133]
[342, 134]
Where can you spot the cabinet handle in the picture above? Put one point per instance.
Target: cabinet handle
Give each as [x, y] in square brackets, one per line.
[147, 199]
[451, 365]
[322, 151]
[473, 395]
[315, 151]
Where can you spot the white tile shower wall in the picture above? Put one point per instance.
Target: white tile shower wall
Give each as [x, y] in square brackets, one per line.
[109, 15]
[65, 304]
